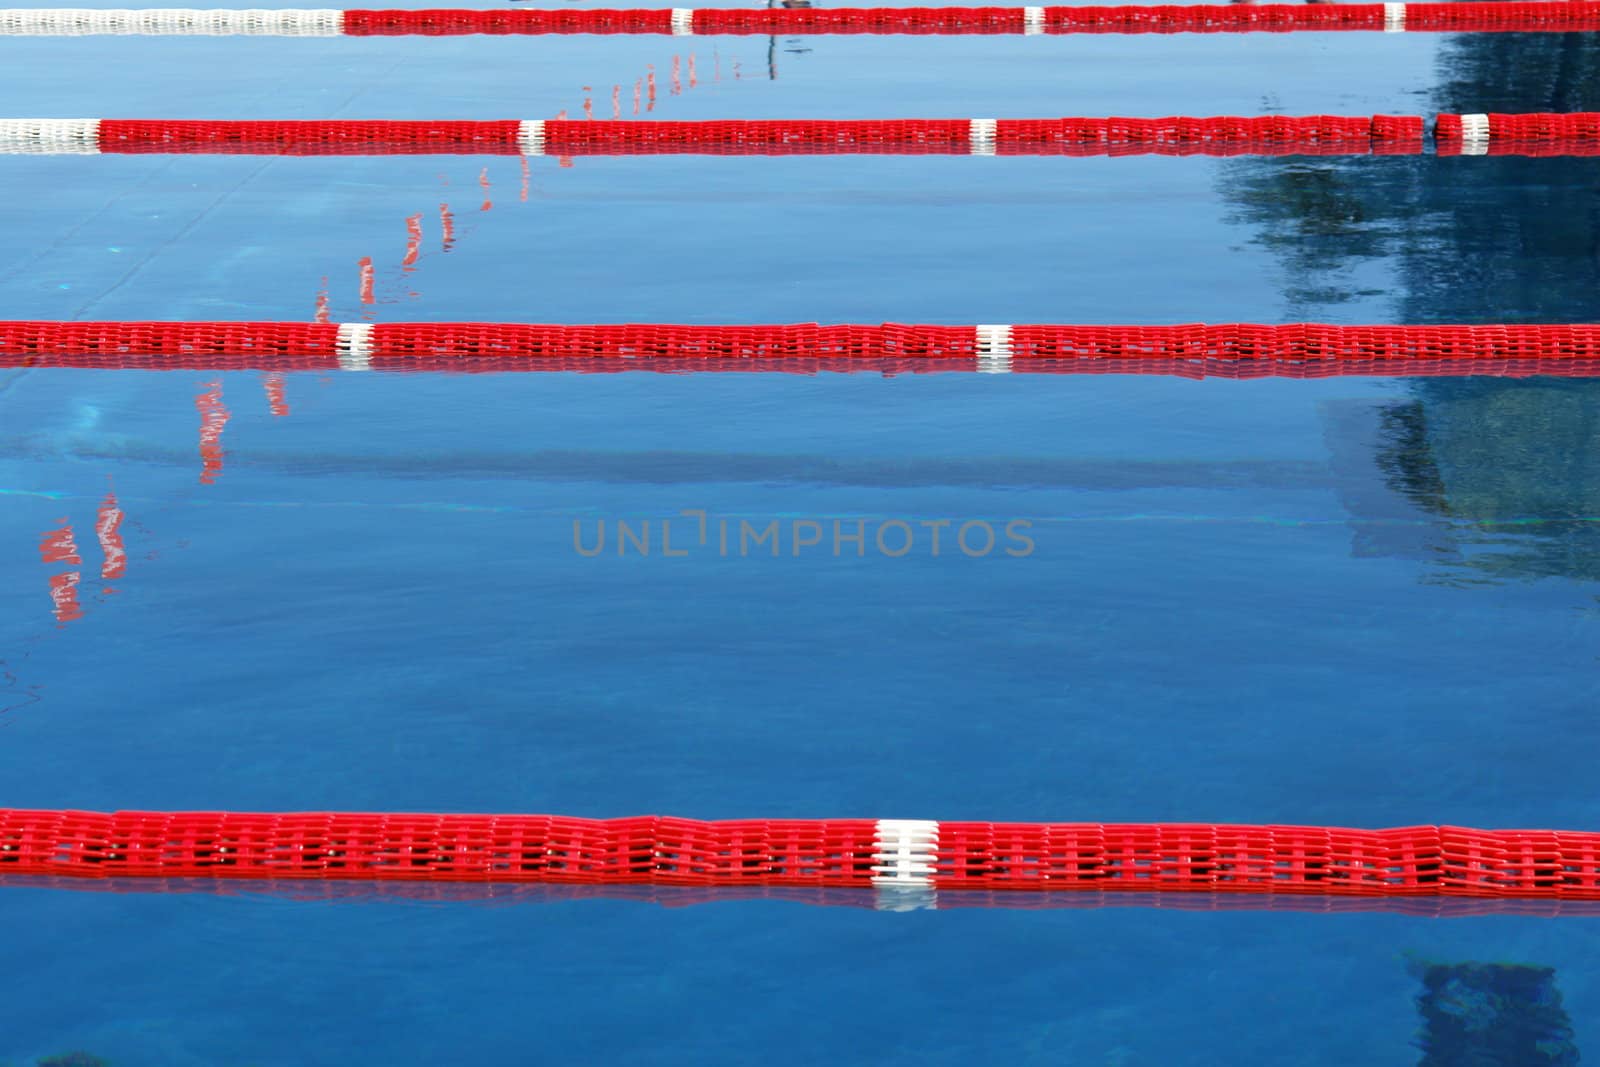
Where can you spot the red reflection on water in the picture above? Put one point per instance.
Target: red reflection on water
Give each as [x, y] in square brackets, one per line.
[447, 228]
[368, 280]
[277, 403]
[644, 99]
[413, 243]
[213, 418]
[565, 161]
[107, 528]
[64, 594]
[58, 546]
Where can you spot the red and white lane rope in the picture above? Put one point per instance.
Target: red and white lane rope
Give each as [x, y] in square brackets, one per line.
[1544, 16]
[1235, 350]
[1576, 133]
[905, 861]
[1536, 134]
[1177, 135]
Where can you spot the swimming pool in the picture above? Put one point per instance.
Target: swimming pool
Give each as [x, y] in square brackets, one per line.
[1353, 602]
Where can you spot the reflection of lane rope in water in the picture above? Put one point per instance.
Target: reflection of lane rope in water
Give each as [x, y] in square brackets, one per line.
[214, 417]
[502, 894]
[1544, 16]
[58, 547]
[644, 101]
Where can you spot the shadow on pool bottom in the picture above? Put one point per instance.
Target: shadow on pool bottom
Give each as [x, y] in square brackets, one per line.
[1492, 1014]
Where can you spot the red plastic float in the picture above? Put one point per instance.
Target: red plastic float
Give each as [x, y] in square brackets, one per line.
[903, 858]
[1548, 16]
[1236, 350]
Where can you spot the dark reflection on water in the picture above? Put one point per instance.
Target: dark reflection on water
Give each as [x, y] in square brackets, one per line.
[1496, 454]
[1491, 480]
[1509, 468]
[1492, 1013]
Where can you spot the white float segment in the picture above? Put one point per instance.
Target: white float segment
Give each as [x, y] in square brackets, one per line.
[682, 22]
[174, 21]
[1032, 21]
[355, 345]
[530, 137]
[1394, 18]
[994, 349]
[906, 851]
[982, 136]
[49, 137]
[1474, 135]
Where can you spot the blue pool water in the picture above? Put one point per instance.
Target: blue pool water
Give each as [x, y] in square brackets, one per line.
[1349, 602]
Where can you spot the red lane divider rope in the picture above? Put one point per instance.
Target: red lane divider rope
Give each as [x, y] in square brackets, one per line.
[1577, 133]
[1545, 16]
[906, 858]
[1536, 134]
[1237, 350]
[1195, 368]
[1176, 135]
